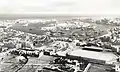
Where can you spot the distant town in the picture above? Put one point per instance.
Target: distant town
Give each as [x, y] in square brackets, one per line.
[81, 44]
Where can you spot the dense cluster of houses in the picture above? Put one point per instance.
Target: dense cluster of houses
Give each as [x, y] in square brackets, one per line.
[83, 36]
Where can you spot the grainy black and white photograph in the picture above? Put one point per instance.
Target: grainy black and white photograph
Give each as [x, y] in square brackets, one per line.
[60, 36]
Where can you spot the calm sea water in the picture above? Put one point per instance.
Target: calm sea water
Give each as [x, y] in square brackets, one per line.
[59, 17]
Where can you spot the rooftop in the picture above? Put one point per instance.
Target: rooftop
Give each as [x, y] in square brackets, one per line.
[106, 56]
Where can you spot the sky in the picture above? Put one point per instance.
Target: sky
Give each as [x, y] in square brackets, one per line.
[60, 7]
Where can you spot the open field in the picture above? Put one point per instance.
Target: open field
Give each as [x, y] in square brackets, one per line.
[34, 64]
[10, 64]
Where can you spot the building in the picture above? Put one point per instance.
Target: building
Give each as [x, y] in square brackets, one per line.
[93, 56]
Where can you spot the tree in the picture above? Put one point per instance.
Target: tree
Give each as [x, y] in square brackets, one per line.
[104, 21]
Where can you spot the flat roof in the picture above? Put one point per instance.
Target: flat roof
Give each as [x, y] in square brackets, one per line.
[93, 47]
[106, 56]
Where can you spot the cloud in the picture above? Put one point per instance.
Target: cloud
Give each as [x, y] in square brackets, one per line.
[60, 6]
